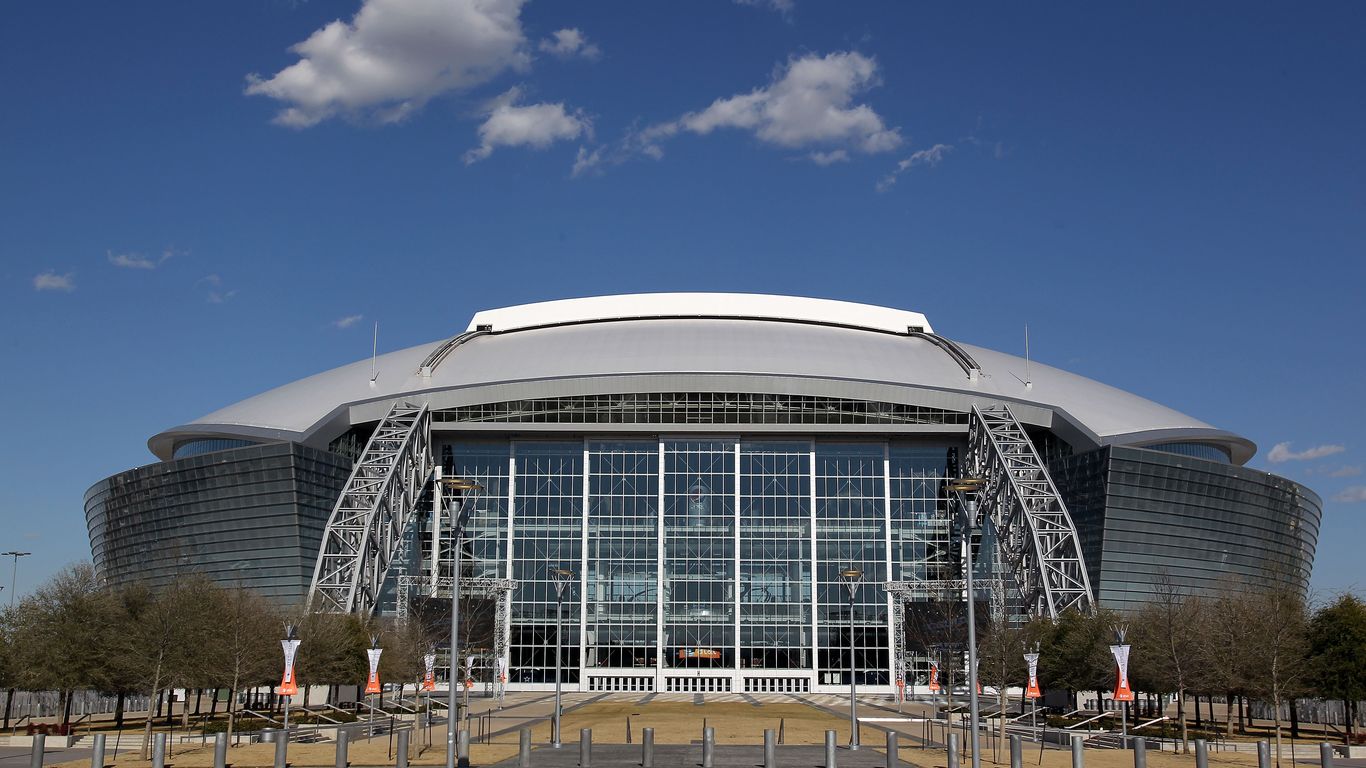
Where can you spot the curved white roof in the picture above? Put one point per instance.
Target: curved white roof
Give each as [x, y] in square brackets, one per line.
[698, 342]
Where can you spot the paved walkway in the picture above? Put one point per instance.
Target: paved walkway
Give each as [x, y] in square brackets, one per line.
[690, 756]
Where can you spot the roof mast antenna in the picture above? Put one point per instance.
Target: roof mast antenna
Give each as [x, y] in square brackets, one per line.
[374, 352]
[1029, 382]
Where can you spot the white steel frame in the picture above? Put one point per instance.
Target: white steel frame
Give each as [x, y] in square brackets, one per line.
[375, 509]
[1037, 540]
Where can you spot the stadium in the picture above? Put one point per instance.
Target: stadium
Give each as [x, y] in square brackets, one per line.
[739, 489]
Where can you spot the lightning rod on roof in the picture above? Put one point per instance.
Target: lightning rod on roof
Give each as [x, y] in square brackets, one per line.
[1029, 382]
[374, 352]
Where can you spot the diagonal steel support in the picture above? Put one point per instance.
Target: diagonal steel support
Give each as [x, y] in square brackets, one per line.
[1039, 545]
[367, 525]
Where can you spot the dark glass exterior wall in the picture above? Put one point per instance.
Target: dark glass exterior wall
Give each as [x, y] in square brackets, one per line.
[248, 516]
[1208, 524]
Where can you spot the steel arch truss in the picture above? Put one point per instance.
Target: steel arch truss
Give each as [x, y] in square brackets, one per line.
[375, 508]
[1039, 545]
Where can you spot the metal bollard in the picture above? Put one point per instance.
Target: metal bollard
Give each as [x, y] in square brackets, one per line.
[1201, 754]
[708, 747]
[1263, 755]
[1326, 755]
[524, 749]
[158, 750]
[1078, 760]
[953, 750]
[220, 750]
[830, 749]
[402, 759]
[462, 748]
[647, 748]
[281, 749]
[343, 739]
[1140, 748]
[39, 746]
[770, 748]
[892, 744]
[1015, 757]
[585, 747]
[97, 753]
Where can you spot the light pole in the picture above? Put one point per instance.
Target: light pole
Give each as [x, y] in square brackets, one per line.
[851, 578]
[561, 578]
[1123, 694]
[14, 575]
[967, 488]
[288, 685]
[457, 528]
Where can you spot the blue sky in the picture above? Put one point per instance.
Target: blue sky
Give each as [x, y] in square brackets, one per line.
[194, 207]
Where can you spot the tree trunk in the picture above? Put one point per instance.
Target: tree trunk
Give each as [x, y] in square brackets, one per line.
[1228, 715]
[213, 702]
[66, 709]
[118, 711]
[1294, 720]
[1181, 716]
[9, 702]
[154, 697]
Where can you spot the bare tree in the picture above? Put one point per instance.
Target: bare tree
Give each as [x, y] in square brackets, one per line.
[1168, 630]
[1224, 638]
[1278, 648]
[244, 650]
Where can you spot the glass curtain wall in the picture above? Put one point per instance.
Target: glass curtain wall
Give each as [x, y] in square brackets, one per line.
[699, 553]
[547, 524]
[851, 532]
[775, 555]
[623, 548]
[922, 549]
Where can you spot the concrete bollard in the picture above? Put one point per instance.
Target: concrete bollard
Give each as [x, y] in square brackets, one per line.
[708, 747]
[1140, 748]
[343, 742]
[462, 748]
[770, 748]
[892, 745]
[585, 747]
[830, 749]
[1078, 759]
[1016, 759]
[1263, 755]
[524, 748]
[1201, 754]
[1326, 755]
[281, 749]
[647, 748]
[158, 750]
[220, 750]
[97, 752]
[953, 750]
[401, 760]
[39, 746]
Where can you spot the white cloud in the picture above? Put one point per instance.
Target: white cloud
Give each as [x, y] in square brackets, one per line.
[931, 157]
[1351, 494]
[221, 297]
[213, 279]
[130, 260]
[393, 57]
[1281, 452]
[348, 321]
[567, 43]
[586, 161]
[829, 158]
[1345, 471]
[809, 102]
[534, 125]
[51, 281]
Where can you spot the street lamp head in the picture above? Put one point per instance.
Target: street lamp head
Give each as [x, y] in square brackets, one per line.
[461, 484]
[16, 554]
[561, 573]
[291, 631]
[966, 484]
[851, 574]
[374, 640]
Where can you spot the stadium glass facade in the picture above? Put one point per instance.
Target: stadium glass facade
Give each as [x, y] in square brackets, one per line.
[706, 563]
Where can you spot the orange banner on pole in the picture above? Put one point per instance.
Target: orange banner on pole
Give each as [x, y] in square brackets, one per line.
[288, 685]
[934, 678]
[1032, 690]
[1122, 690]
[372, 682]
